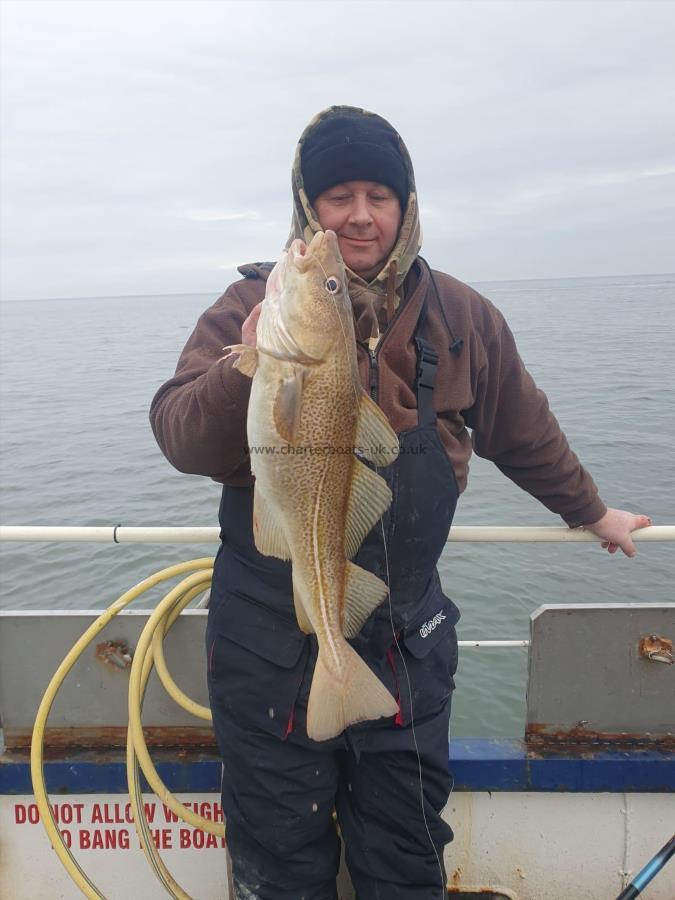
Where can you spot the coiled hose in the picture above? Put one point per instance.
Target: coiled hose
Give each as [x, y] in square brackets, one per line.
[149, 652]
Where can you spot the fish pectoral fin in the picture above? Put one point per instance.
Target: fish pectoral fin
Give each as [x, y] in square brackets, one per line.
[268, 534]
[356, 696]
[375, 438]
[248, 358]
[363, 593]
[288, 405]
[369, 497]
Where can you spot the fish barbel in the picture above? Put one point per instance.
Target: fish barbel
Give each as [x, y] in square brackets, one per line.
[314, 500]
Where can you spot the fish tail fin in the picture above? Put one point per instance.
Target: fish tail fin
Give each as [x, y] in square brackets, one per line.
[336, 703]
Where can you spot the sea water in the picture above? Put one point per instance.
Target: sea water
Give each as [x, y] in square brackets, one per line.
[77, 377]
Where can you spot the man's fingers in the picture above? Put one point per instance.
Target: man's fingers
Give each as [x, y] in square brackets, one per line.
[248, 329]
[627, 546]
[252, 319]
[619, 524]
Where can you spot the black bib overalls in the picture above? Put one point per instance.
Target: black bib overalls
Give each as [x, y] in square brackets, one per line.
[279, 787]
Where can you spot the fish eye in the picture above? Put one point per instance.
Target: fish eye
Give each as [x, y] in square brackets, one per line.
[332, 285]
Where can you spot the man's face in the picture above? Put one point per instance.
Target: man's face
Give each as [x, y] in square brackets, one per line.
[366, 217]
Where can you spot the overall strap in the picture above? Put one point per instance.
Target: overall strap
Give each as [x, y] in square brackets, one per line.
[427, 364]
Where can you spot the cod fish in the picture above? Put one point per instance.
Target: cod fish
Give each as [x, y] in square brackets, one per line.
[314, 500]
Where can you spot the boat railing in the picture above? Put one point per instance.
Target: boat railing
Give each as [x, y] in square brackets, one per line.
[133, 534]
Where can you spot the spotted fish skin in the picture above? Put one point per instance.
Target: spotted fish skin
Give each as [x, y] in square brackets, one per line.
[314, 499]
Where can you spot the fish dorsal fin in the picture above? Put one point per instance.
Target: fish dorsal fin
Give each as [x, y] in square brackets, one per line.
[375, 438]
[267, 533]
[288, 404]
[369, 497]
[363, 593]
[248, 358]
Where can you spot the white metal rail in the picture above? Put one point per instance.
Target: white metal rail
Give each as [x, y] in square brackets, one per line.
[130, 534]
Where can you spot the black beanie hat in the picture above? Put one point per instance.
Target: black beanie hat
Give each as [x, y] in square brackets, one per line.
[353, 147]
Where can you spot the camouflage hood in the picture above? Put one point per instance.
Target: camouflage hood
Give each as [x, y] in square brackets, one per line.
[367, 298]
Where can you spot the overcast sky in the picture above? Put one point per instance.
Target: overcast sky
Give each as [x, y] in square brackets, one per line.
[147, 146]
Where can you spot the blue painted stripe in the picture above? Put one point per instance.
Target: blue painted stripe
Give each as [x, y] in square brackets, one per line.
[477, 765]
[511, 765]
[84, 775]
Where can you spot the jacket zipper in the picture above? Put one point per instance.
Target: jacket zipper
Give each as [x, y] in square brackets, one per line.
[374, 371]
[373, 374]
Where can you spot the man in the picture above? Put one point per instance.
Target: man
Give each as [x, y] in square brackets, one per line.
[438, 358]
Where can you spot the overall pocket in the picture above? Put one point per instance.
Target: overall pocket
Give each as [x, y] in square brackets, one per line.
[256, 663]
[429, 645]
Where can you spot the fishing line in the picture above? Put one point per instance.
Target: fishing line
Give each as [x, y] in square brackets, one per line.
[393, 628]
[412, 716]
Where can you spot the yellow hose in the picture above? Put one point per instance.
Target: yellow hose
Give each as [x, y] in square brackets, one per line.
[172, 689]
[148, 652]
[134, 782]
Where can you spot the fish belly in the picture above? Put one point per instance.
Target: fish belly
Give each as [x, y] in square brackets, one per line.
[305, 488]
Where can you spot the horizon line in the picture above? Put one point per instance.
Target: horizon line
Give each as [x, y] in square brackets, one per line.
[221, 291]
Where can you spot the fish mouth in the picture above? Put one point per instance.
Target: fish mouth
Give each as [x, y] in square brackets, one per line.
[325, 240]
[297, 255]
[297, 249]
[324, 243]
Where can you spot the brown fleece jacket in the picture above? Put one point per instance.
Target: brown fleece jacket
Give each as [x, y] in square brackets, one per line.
[199, 415]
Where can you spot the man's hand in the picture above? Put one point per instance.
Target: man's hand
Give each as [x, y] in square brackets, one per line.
[616, 527]
[248, 335]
